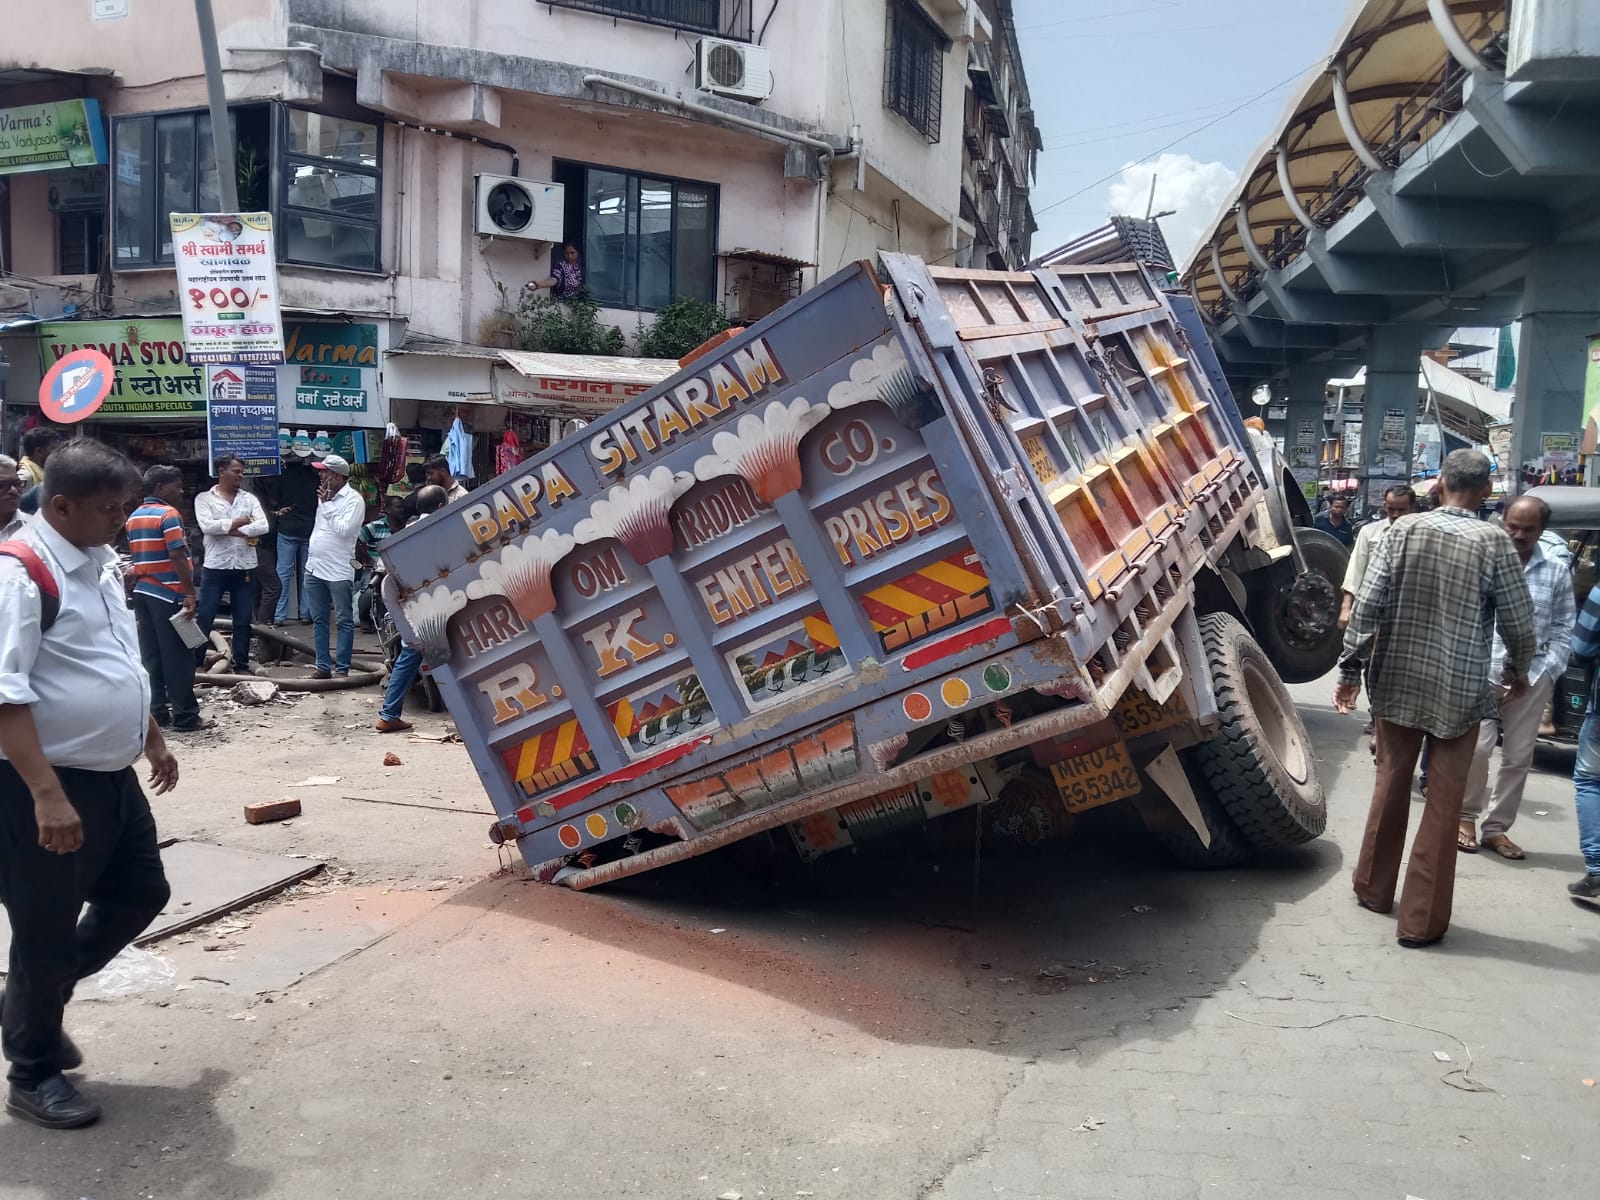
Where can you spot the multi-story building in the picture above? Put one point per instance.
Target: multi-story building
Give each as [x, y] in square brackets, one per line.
[424, 161]
[1000, 147]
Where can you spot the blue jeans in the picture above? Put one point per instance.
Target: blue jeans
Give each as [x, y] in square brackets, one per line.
[1586, 781]
[291, 558]
[215, 583]
[337, 594]
[407, 666]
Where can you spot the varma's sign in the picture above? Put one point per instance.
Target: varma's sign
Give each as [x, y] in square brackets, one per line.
[46, 137]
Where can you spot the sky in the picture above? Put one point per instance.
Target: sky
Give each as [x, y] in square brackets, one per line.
[1182, 89]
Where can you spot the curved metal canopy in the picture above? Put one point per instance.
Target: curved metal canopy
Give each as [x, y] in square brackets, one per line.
[1375, 100]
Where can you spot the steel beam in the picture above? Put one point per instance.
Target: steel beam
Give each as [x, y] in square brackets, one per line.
[1460, 49]
[1286, 185]
[1347, 119]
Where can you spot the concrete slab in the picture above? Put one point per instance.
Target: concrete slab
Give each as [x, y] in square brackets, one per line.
[287, 942]
[208, 881]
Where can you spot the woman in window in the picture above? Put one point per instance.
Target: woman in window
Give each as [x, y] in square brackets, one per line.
[566, 276]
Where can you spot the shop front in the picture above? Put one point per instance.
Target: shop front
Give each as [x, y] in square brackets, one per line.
[511, 403]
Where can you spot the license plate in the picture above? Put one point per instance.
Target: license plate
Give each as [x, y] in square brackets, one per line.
[1044, 467]
[1136, 714]
[1098, 777]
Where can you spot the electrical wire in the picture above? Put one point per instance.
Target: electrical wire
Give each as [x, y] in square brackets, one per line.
[1038, 212]
[1459, 1078]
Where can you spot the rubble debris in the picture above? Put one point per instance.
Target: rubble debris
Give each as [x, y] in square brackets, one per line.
[253, 693]
[264, 811]
[391, 759]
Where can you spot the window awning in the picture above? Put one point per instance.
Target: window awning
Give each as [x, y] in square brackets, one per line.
[575, 385]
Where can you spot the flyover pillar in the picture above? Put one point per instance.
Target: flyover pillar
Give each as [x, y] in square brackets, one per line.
[1303, 431]
[1560, 310]
[1389, 418]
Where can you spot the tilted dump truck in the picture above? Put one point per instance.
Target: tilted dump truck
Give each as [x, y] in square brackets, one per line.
[924, 540]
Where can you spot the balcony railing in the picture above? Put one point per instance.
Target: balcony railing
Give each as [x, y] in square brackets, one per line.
[719, 18]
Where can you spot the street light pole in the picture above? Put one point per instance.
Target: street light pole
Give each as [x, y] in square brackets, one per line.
[221, 131]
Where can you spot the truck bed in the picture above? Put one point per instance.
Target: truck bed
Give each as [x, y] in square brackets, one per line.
[904, 524]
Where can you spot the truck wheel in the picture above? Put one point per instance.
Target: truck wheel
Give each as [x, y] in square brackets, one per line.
[1259, 765]
[1297, 621]
[1228, 846]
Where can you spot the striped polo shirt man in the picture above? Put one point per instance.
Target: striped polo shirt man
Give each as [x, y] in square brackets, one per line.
[155, 530]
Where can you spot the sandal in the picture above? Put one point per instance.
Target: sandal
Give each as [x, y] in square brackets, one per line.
[1465, 842]
[1505, 847]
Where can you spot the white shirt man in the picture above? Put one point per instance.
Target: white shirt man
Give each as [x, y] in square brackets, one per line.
[74, 716]
[230, 527]
[330, 565]
[1549, 580]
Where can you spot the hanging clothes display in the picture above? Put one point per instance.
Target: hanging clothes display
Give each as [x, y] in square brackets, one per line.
[508, 453]
[458, 450]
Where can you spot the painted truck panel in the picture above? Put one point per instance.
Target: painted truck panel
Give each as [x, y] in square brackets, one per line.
[896, 504]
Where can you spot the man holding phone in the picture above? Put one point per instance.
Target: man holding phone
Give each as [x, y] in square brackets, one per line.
[330, 565]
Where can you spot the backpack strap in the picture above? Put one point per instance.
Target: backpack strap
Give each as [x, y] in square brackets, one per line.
[49, 590]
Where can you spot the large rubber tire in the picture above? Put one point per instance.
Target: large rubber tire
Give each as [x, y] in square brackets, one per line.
[1228, 846]
[1259, 765]
[1277, 613]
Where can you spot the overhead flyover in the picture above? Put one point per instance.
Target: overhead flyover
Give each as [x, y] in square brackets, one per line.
[1442, 168]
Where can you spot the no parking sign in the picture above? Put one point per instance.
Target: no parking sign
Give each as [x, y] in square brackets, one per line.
[76, 386]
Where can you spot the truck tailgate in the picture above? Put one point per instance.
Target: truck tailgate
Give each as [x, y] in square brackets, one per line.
[777, 549]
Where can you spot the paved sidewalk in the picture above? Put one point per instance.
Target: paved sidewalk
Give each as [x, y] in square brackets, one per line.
[1206, 1097]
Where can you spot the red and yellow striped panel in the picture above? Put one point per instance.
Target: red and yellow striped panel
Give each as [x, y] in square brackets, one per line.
[924, 590]
[621, 714]
[821, 633]
[546, 749]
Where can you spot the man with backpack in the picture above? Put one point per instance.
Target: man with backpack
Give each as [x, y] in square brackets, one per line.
[76, 827]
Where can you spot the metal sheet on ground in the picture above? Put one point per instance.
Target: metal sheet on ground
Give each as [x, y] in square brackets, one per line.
[287, 942]
[208, 881]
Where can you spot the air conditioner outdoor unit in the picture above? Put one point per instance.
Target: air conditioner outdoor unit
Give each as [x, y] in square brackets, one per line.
[737, 69]
[519, 208]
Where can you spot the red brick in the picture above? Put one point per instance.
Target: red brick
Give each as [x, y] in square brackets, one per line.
[271, 810]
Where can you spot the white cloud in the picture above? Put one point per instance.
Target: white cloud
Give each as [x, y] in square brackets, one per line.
[1191, 188]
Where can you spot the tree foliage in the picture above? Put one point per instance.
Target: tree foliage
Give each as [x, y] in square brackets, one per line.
[680, 327]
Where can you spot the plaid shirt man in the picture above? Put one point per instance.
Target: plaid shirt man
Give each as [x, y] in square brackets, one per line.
[1425, 618]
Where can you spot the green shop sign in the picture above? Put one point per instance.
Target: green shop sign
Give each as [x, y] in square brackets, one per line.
[153, 380]
[46, 137]
[309, 398]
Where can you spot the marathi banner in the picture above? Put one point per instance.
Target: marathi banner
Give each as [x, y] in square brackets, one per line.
[228, 287]
[154, 376]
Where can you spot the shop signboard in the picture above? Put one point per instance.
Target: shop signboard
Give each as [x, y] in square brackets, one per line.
[49, 137]
[228, 287]
[579, 385]
[154, 378]
[329, 375]
[242, 416]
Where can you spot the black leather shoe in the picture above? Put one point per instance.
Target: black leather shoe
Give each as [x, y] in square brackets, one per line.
[54, 1104]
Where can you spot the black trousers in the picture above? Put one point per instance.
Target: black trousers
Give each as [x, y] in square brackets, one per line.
[168, 662]
[215, 583]
[117, 873]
